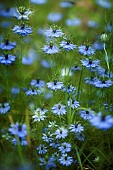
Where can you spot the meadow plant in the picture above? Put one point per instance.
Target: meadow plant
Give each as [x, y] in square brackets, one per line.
[56, 90]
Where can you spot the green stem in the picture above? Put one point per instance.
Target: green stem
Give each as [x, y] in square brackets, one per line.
[106, 58]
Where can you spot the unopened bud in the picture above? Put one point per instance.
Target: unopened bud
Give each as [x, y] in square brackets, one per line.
[104, 37]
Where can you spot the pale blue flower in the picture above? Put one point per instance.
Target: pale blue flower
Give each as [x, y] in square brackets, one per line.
[59, 109]
[61, 132]
[65, 147]
[65, 160]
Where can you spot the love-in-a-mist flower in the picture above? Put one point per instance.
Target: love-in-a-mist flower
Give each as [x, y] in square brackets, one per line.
[17, 129]
[67, 45]
[76, 128]
[38, 1]
[21, 140]
[23, 13]
[65, 160]
[37, 83]
[39, 114]
[55, 17]
[103, 122]
[66, 4]
[4, 108]
[89, 63]
[61, 132]
[59, 109]
[90, 80]
[69, 89]
[104, 3]
[42, 149]
[103, 83]
[53, 32]
[64, 147]
[73, 22]
[32, 91]
[7, 45]
[56, 85]
[23, 30]
[86, 50]
[50, 49]
[7, 59]
[87, 114]
[73, 103]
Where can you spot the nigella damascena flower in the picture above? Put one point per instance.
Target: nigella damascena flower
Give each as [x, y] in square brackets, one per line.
[69, 89]
[64, 147]
[66, 4]
[56, 85]
[53, 32]
[67, 45]
[50, 49]
[31, 92]
[23, 13]
[76, 128]
[38, 1]
[102, 122]
[87, 114]
[21, 140]
[39, 114]
[17, 129]
[7, 45]
[7, 12]
[37, 83]
[7, 59]
[103, 83]
[75, 68]
[104, 3]
[88, 63]
[90, 80]
[54, 17]
[61, 132]
[42, 149]
[73, 103]
[65, 160]
[22, 30]
[59, 109]
[86, 50]
[4, 107]
[73, 22]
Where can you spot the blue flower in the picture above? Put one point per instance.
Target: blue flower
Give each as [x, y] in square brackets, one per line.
[37, 83]
[98, 46]
[7, 59]
[18, 130]
[4, 107]
[90, 80]
[92, 24]
[104, 3]
[56, 85]
[75, 68]
[88, 63]
[54, 17]
[61, 132]
[31, 92]
[80, 136]
[103, 83]
[76, 128]
[15, 90]
[50, 164]
[73, 103]
[7, 45]
[86, 50]
[22, 141]
[102, 122]
[42, 149]
[8, 12]
[73, 22]
[67, 45]
[22, 13]
[22, 30]
[53, 32]
[69, 89]
[66, 4]
[59, 109]
[50, 49]
[38, 1]
[65, 147]
[39, 114]
[47, 137]
[87, 114]
[65, 160]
